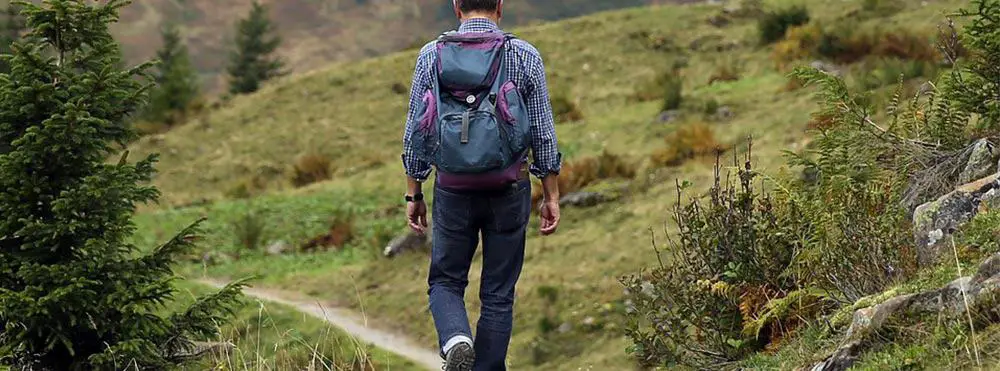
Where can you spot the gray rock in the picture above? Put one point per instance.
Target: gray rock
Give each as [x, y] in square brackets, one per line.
[982, 162]
[582, 199]
[828, 68]
[667, 117]
[841, 359]
[564, 328]
[406, 242]
[868, 320]
[724, 113]
[987, 269]
[934, 221]
[278, 247]
[974, 293]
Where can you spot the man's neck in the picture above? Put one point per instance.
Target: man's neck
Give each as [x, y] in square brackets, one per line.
[486, 16]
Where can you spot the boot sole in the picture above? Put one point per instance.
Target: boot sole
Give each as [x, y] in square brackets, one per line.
[460, 359]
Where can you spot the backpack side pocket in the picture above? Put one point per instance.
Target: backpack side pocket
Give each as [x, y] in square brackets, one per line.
[513, 113]
[424, 137]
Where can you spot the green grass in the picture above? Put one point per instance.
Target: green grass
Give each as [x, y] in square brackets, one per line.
[269, 336]
[349, 112]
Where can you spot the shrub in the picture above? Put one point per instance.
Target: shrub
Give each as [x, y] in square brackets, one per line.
[564, 109]
[311, 168]
[250, 229]
[75, 293]
[666, 86]
[725, 264]
[673, 86]
[847, 44]
[689, 141]
[800, 42]
[726, 71]
[341, 232]
[773, 25]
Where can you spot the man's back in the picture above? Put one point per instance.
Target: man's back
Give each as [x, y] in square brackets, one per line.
[524, 66]
[497, 214]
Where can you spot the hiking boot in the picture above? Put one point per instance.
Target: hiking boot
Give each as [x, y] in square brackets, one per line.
[460, 358]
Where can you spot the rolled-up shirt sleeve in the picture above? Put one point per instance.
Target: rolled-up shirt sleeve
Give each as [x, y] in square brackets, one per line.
[544, 146]
[414, 166]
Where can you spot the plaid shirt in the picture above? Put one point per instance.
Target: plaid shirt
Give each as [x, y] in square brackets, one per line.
[524, 66]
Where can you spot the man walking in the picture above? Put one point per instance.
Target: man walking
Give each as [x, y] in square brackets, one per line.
[479, 102]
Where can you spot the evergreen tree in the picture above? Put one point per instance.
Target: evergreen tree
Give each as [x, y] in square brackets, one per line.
[177, 83]
[252, 62]
[10, 31]
[74, 293]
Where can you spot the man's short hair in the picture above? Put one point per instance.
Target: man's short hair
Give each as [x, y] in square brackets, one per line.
[478, 5]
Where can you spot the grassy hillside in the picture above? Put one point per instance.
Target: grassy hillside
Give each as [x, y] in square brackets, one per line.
[316, 32]
[351, 113]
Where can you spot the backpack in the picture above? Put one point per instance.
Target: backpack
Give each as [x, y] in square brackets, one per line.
[473, 123]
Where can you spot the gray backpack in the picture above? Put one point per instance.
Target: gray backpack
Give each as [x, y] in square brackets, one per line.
[473, 123]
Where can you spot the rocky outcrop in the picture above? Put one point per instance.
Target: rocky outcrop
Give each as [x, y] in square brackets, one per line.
[408, 241]
[934, 221]
[974, 293]
[982, 162]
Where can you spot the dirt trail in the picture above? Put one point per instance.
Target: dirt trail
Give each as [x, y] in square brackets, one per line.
[351, 323]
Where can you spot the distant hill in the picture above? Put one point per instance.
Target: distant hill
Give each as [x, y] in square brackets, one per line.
[317, 32]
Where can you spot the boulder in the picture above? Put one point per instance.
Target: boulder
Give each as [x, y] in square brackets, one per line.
[724, 113]
[982, 162]
[934, 221]
[667, 117]
[973, 293]
[583, 199]
[406, 242]
[278, 247]
[842, 359]
[827, 68]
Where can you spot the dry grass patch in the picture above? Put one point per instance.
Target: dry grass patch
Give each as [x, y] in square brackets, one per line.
[687, 142]
[311, 168]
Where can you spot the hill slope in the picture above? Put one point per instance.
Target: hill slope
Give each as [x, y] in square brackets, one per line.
[351, 113]
[318, 32]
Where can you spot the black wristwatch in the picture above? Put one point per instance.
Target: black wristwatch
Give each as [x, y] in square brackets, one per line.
[415, 198]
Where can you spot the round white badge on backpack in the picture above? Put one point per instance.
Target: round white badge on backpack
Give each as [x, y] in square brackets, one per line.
[470, 99]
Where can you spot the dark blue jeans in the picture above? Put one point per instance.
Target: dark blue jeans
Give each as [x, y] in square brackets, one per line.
[501, 217]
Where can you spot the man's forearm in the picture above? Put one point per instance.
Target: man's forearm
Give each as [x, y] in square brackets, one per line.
[413, 186]
[550, 187]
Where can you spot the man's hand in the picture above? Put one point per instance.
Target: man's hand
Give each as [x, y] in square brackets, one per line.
[416, 215]
[550, 217]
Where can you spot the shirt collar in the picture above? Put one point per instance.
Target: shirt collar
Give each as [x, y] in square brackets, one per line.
[478, 25]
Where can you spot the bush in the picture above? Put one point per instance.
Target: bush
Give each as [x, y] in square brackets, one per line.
[250, 229]
[564, 109]
[720, 271]
[311, 168]
[726, 71]
[847, 44]
[773, 25]
[687, 142]
[673, 86]
[341, 232]
[666, 86]
[800, 42]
